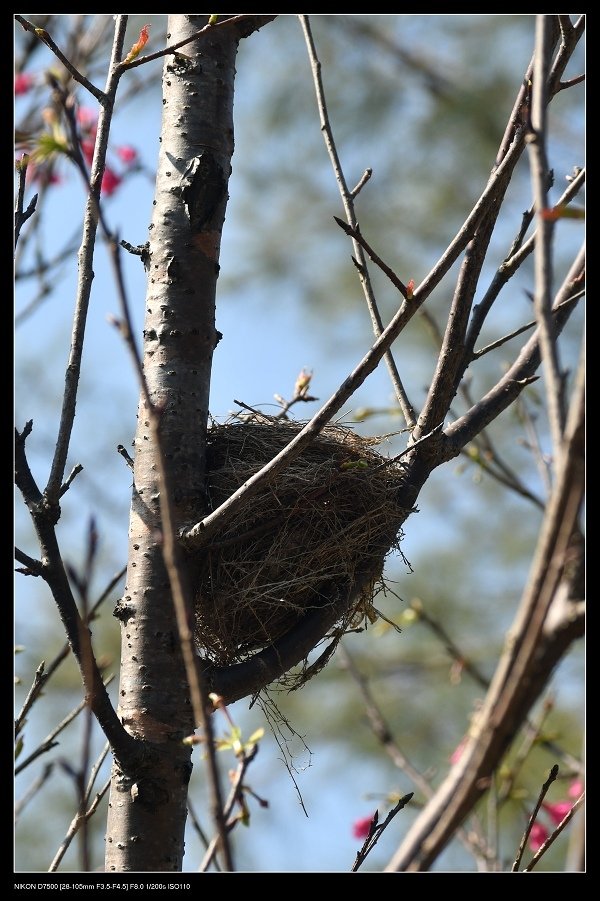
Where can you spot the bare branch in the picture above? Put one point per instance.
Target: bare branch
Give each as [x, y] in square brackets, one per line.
[353, 231]
[62, 655]
[570, 83]
[516, 257]
[536, 140]
[44, 519]
[543, 792]
[494, 345]
[552, 838]
[86, 254]
[520, 374]
[382, 732]
[45, 38]
[452, 363]
[377, 830]
[76, 824]
[348, 202]
[22, 216]
[49, 742]
[535, 643]
[362, 182]
[33, 567]
[33, 789]
[234, 793]
[244, 19]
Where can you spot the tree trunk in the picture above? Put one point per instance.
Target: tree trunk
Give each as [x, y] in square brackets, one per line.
[147, 808]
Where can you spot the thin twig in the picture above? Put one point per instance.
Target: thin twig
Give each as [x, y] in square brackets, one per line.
[72, 475]
[22, 216]
[354, 232]
[571, 82]
[531, 652]
[533, 732]
[536, 140]
[552, 838]
[518, 376]
[199, 830]
[543, 792]
[33, 789]
[79, 637]
[75, 826]
[173, 48]
[236, 783]
[49, 742]
[32, 566]
[85, 279]
[486, 456]
[450, 646]
[533, 444]
[517, 255]
[62, 655]
[45, 38]
[494, 345]
[38, 681]
[474, 843]
[348, 202]
[377, 830]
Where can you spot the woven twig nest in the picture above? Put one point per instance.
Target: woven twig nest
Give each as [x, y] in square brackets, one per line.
[317, 535]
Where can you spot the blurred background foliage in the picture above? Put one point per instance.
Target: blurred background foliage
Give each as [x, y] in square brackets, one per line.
[422, 100]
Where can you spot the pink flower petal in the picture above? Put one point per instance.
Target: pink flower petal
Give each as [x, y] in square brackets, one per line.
[575, 789]
[127, 154]
[557, 812]
[23, 82]
[110, 182]
[537, 836]
[360, 828]
[457, 753]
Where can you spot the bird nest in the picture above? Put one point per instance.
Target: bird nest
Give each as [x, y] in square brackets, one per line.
[315, 536]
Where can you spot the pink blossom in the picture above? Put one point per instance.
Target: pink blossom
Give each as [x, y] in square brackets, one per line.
[110, 181]
[557, 812]
[575, 789]
[23, 82]
[127, 154]
[360, 828]
[87, 148]
[87, 119]
[42, 175]
[537, 836]
[457, 753]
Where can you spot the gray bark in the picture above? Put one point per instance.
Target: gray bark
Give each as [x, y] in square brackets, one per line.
[147, 808]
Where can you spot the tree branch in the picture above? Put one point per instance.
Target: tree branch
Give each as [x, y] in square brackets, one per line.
[22, 216]
[520, 374]
[199, 535]
[517, 255]
[452, 361]
[348, 202]
[86, 275]
[536, 140]
[237, 21]
[552, 838]
[536, 642]
[44, 519]
[543, 792]
[45, 38]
